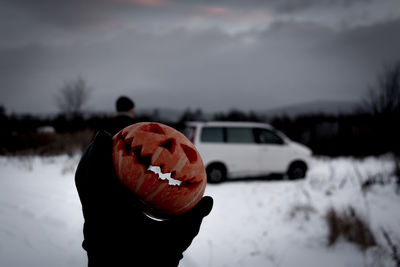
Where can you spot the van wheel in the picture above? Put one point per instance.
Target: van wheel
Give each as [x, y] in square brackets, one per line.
[297, 171]
[216, 173]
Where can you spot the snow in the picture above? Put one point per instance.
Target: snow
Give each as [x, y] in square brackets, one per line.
[253, 223]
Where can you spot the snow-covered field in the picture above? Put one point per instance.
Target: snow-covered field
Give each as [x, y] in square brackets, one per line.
[253, 223]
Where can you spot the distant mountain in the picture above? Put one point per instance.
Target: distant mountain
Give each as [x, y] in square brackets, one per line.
[325, 107]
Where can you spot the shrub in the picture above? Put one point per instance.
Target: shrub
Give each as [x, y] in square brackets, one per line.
[350, 226]
[384, 178]
[47, 144]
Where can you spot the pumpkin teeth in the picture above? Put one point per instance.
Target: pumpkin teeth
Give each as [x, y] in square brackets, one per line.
[190, 153]
[164, 176]
[124, 136]
[126, 145]
[152, 128]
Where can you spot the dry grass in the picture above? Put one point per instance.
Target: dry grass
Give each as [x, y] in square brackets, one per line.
[350, 226]
[395, 253]
[382, 179]
[47, 144]
[303, 210]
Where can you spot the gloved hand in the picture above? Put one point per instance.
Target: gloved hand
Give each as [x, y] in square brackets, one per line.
[116, 232]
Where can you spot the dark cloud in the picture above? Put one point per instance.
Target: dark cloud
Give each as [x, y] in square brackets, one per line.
[72, 13]
[181, 54]
[288, 63]
[296, 5]
[83, 13]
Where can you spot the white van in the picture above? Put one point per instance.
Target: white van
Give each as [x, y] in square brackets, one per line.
[246, 149]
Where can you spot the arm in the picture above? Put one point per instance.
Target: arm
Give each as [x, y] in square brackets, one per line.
[116, 232]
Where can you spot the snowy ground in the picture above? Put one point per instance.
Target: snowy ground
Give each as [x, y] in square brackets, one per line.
[253, 223]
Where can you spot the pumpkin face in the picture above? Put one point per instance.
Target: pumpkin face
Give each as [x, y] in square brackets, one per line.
[145, 144]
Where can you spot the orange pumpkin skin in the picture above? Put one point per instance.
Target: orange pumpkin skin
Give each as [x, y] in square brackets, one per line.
[147, 143]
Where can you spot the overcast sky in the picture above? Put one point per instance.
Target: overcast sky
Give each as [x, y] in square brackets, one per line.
[215, 55]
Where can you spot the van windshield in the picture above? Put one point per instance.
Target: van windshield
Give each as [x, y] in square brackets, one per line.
[189, 132]
[265, 136]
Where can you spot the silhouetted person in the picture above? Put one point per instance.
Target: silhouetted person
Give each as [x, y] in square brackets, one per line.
[116, 232]
[125, 115]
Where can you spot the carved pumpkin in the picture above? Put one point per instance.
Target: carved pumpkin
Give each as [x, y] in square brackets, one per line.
[145, 144]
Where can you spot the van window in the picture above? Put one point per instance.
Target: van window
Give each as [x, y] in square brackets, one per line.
[189, 132]
[265, 136]
[212, 134]
[240, 135]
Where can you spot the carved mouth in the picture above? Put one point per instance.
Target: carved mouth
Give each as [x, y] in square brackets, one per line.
[164, 176]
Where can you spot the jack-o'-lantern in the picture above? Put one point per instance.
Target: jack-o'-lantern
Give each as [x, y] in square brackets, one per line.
[148, 144]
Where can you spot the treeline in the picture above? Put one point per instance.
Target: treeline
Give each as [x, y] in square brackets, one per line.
[51, 135]
[355, 134]
[373, 129]
[359, 133]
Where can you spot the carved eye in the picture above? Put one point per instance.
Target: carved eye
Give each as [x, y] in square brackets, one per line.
[169, 144]
[190, 153]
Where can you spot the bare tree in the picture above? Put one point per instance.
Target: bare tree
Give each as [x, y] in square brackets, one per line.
[383, 104]
[384, 97]
[73, 95]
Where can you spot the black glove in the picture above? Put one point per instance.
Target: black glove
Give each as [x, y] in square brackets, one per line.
[116, 232]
